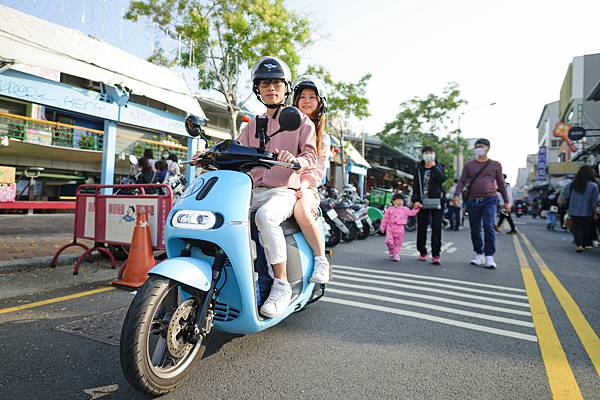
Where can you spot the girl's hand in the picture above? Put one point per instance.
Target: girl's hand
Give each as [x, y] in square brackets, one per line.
[315, 210]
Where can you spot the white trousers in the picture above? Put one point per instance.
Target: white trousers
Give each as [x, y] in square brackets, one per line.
[273, 206]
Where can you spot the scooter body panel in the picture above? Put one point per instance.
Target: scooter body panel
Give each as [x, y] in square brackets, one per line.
[229, 196]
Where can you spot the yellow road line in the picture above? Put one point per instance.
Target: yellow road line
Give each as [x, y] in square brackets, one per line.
[56, 300]
[560, 375]
[586, 333]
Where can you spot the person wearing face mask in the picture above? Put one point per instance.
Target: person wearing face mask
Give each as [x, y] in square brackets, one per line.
[427, 195]
[481, 177]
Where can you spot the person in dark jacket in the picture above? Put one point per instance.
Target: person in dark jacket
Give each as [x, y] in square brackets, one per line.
[147, 175]
[427, 184]
[582, 195]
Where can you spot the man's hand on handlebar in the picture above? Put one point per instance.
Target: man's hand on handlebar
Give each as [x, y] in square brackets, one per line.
[196, 157]
[285, 156]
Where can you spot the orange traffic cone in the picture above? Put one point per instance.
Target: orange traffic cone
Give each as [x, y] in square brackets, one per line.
[134, 271]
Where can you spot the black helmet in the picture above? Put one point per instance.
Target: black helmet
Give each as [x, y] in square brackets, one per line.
[271, 68]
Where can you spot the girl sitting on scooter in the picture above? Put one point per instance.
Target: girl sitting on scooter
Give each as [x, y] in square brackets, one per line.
[310, 97]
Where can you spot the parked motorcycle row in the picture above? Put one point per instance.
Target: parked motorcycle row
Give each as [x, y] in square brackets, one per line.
[347, 217]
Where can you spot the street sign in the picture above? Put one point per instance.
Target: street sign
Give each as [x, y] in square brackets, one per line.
[577, 133]
[542, 163]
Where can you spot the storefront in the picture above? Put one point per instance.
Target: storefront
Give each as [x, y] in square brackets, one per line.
[77, 108]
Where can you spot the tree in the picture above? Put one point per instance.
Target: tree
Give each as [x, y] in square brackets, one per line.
[426, 122]
[220, 37]
[344, 99]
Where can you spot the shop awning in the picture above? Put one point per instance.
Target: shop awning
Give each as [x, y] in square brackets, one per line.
[397, 172]
[28, 40]
[350, 152]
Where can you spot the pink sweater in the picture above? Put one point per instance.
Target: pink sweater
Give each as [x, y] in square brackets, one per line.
[300, 143]
[395, 217]
[313, 178]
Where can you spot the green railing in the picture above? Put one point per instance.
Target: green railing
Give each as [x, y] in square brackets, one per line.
[50, 133]
[76, 137]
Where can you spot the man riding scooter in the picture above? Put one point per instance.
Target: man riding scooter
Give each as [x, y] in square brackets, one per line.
[273, 194]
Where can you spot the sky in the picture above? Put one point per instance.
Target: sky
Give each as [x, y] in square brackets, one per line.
[513, 53]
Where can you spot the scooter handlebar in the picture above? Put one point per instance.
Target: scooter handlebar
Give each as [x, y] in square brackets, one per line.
[295, 165]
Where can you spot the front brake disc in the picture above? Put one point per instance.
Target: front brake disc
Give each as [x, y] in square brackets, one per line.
[177, 346]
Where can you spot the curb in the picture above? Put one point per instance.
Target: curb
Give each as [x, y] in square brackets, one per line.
[32, 263]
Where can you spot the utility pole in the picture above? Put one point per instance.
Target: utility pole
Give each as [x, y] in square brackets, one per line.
[342, 154]
[460, 156]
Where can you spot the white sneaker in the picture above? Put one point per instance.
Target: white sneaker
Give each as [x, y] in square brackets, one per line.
[489, 262]
[321, 270]
[478, 259]
[278, 300]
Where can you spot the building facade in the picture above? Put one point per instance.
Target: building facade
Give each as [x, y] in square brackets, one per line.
[77, 109]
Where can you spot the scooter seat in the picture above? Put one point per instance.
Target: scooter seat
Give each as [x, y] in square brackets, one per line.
[289, 226]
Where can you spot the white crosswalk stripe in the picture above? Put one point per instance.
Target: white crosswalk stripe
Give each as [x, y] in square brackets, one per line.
[409, 248]
[436, 299]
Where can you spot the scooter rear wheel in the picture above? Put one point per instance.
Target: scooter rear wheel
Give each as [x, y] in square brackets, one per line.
[155, 355]
[350, 236]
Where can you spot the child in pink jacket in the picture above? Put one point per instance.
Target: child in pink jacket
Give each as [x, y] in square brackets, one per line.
[393, 222]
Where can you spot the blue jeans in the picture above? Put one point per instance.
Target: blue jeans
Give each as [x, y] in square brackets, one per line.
[482, 214]
[550, 220]
[454, 214]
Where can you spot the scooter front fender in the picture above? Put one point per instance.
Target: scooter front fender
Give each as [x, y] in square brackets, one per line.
[187, 270]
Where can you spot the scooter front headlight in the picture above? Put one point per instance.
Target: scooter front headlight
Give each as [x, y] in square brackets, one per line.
[192, 219]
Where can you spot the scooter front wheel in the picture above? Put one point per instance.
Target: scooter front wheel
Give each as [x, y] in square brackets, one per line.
[156, 355]
[335, 236]
[365, 232]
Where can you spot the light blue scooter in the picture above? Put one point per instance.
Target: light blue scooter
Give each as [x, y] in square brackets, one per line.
[216, 275]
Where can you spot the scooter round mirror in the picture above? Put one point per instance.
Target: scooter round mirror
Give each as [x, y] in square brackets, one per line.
[133, 160]
[289, 119]
[193, 125]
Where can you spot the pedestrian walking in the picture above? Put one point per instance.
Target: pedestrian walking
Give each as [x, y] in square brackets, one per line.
[392, 225]
[582, 195]
[552, 209]
[480, 178]
[505, 215]
[427, 195]
[454, 212]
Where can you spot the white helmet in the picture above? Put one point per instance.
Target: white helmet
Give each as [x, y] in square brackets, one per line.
[312, 82]
[271, 68]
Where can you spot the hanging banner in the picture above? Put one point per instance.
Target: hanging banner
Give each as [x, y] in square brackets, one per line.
[542, 163]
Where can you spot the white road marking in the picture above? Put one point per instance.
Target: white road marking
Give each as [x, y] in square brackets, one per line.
[443, 285]
[428, 297]
[96, 393]
[446, 246]
[339, 275]
[434, 307]
[432, 318]
[433, 278]
[409, 248]
[452, 250]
